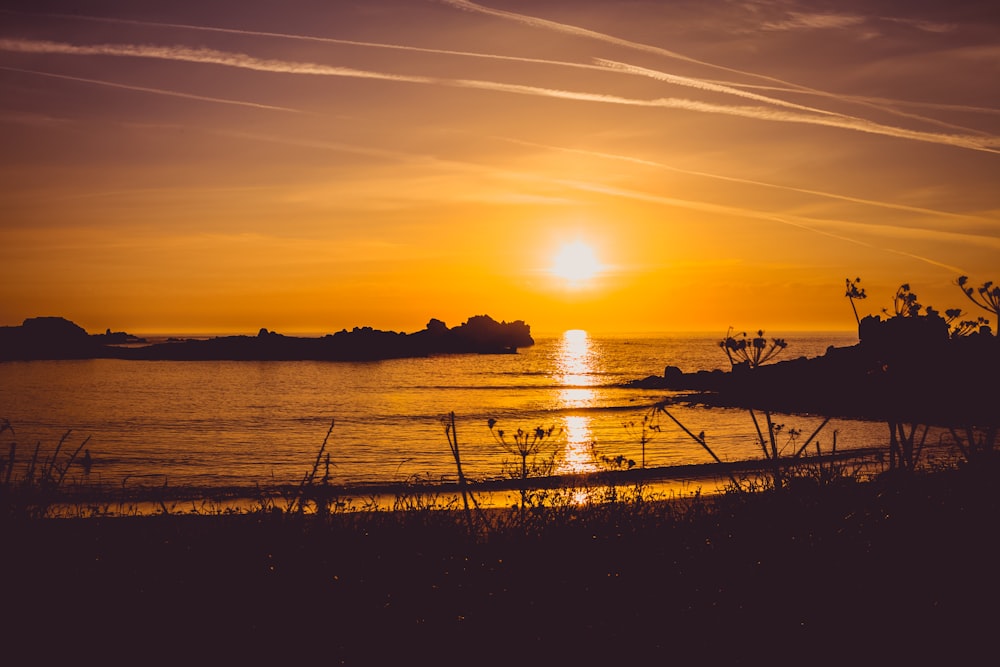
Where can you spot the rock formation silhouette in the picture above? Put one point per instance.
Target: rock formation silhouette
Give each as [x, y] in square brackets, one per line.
[903, 368]
[58, 338]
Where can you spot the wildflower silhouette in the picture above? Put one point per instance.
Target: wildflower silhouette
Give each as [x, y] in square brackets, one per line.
[524, 444]
[855, 293]
[752, 352]
[986, 296]
[904, 303]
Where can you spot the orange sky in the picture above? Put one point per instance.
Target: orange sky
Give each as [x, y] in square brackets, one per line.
[311, 166]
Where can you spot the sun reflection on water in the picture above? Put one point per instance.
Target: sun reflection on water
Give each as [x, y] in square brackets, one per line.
[578, 456]
[576, 366]
[576, 359]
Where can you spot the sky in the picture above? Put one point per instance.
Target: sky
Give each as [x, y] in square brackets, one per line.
[308, 166]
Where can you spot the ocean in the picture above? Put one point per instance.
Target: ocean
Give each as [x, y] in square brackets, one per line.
[225, 424]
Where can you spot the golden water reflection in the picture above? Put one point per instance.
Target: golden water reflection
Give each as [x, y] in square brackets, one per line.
[576, 364]
[575, 360]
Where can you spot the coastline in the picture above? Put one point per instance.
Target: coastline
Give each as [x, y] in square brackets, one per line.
[82, 498]
[49, 338]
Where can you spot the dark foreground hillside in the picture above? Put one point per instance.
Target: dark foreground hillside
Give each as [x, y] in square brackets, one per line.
[880, 573]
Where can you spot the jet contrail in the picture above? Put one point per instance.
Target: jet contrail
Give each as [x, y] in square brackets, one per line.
[569, 29]
[738, 90]
[702, 84]
[566, 28]
[603, 66]
[199, 55]
[321, 40]
[157, 91]
[723, 87]
[799, 222]
[211, 56]
[883, 104]
[747, 181]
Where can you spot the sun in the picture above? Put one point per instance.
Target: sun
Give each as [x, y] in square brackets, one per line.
[576, 262]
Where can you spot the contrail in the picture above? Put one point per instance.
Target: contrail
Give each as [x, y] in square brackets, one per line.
[157, 91]
[702, 84]
[243, 61]
[603, 66]
[883, 104]
[747, 181]
[565, 28]
[321, 40]
[200, 55]
[799, 222]
[987, 144]
[723, 87]
[737, 89]
[536, 22]
[943, 106]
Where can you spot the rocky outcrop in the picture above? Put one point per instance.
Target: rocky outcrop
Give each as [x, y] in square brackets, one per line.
[903, 369]
[46, 338]
[57, 338]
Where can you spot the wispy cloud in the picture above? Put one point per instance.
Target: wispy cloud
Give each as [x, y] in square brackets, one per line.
[763, 184]
[814, 21]
[925, 26]
[723, 87]
[198, 55]
[740, 90]
[602, 64]
[814, 225]
[157, 91]
[239, 60]
[24, 118]
[703, 84]
[322, 40]
[569, 29]
[884, 104]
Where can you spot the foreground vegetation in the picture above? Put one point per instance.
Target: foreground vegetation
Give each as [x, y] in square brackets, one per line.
[826, 568]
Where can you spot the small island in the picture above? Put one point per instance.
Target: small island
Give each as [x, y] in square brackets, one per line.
[41, 338]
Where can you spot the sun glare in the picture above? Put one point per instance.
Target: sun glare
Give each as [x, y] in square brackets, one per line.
[576, 262]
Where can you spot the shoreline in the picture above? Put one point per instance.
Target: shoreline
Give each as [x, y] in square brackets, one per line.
[663, 482]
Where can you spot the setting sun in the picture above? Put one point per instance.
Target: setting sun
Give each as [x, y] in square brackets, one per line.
[576, 262]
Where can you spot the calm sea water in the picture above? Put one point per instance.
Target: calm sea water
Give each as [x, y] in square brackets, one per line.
[243, 423]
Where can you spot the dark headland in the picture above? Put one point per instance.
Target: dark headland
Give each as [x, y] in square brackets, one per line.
[902, 369]
[58, 338]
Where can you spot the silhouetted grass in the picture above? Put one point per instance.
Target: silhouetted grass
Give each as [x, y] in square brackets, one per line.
[892, 568]
[837, 565]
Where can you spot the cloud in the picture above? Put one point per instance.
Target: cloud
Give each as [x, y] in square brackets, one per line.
[157, 91]
[884, 104]
[925, 26]
[763, 184]
[569, 29]
[821, 226]
[325, 40]
[702, 84]
[987, 143]
[566, 28]
[198, 55]
[814, 21]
